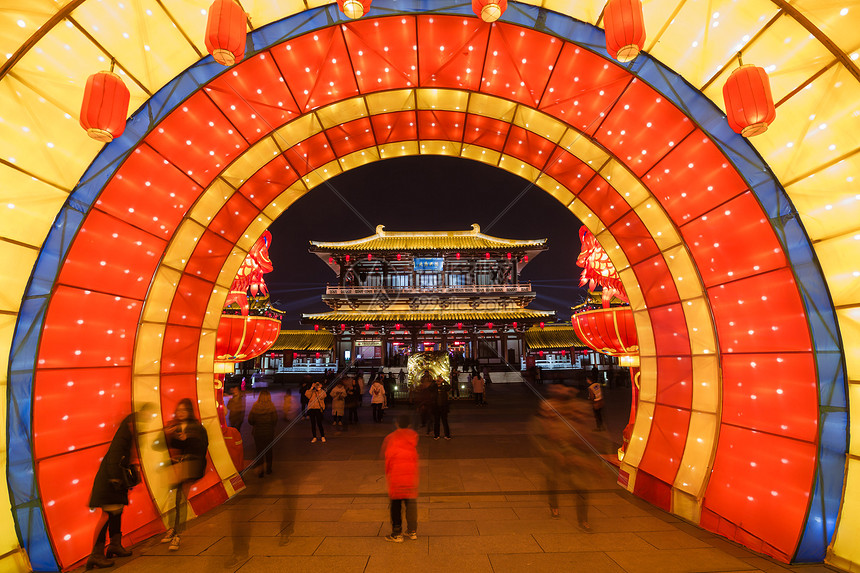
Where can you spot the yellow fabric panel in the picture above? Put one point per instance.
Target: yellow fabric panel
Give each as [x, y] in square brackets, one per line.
[206, 351]
[820, 124]
[182, 244]
[211, 201]
[435, 147]
[559, 192]
[342, 112]
[686, 506]
[849, 325]
[490, 106]
[829, 202]
[634, 295]
[12, 280]
[229, 271]
[706, 383]
[28, 207]
[838, 20]
[21, 18]
[684, 272]
[854, 427]
[218, 452]
[322, 174]
[285, 199]
[297, 131]
[787, 52]
[703, 36]
[844, 551]
[452, 100]
[544, 125]
[519, 167]
[40, 138]
[657, 222]
[477, 153]
[250, 161]
[141, 37]
[149, 341]
[641, 431]
[627, 184]
[396, 100]
[253, 232]
[700, 328]
[648, 378]
[359, 158]
[213, 309]
[154, 457]
[7, 331]
[585, 10]
[838, 258]
[398, 149]
[160, 295]
[696, 461]
[645, 333]
[585, 149]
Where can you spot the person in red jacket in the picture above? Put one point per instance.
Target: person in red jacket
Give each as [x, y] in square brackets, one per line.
[401, 474]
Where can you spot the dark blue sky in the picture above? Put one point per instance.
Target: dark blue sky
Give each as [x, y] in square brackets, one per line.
[422, 194]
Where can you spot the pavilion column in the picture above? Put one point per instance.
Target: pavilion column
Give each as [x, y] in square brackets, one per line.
[503, 337]
[414, 341]
[444, 343]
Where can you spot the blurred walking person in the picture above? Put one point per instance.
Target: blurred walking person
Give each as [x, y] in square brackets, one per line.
[439, 393]
[595, 394]
[188, 442]
[111, 485]
[401, 475]
[353, 399]
[263, 419]
[338, 403]
[478, 389]
[377, 399]
[236, 408]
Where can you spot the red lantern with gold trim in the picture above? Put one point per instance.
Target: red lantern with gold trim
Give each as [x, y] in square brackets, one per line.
[354, 9]
[489, 10]
[749, 102]
[226, 30]
[105, 106]
[624, 22]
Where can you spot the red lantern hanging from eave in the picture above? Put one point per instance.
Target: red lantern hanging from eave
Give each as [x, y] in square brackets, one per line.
[489, 10]
[354, 9]
[749, 102]
[105, 106]
[624, 23]
[226, 30]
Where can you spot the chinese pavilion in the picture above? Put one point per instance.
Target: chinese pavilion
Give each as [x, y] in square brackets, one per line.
[403, 292]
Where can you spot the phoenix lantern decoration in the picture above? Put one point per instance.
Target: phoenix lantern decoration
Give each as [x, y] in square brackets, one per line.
[250, 275]
[597, 269]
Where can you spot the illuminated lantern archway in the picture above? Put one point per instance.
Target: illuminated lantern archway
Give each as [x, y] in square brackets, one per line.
[625, 29]
[226, 32]
[749, 102]
[630, 200]
[105, 106]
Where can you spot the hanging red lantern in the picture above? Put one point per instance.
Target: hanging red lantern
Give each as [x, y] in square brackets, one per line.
[749, 102]
[398, 256]
[316, 327]
[369, 256]
[490, 325]
[105, 106]
[343, 327]
[489, 10]
[226, 30]
[354, 8]
[397, 326]
[624, 22]
[542, 325]
[460, 326]
[514, 324]
[367, 326]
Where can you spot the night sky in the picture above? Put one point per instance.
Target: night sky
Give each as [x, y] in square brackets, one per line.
[426, 193]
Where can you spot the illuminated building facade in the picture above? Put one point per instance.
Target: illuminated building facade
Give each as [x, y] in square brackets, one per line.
[453, 291]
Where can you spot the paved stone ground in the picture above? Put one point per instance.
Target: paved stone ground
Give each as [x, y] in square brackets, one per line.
[483, 507]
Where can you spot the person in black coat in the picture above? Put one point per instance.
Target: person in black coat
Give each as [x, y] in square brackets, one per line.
[263, 419]
[439, 399]
[110, 494]
[188, 442]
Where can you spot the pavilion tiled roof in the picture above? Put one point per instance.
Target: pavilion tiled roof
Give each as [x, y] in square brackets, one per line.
[304, 340]
[430, 316]
[428, 240]
[553, 336]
